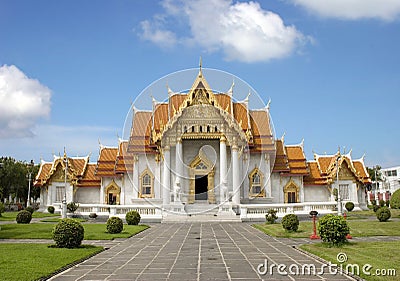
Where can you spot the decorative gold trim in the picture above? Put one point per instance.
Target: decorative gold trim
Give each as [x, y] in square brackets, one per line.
[251, 175]
[209, 171]
[291, 186]
[112, 188]
[140, 194]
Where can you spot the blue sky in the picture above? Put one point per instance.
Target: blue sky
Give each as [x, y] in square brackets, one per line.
[69, 70]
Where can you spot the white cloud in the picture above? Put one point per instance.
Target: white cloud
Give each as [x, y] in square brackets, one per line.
[386, 10]
[242, 31]
[22, 102]
[51, 139]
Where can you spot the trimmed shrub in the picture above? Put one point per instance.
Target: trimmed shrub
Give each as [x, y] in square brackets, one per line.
[381, 203]
[333, 229]
[373, 202]
[2, 208]
[114, 225]
[30, 209]
[290, 222]
[68, 233]
[375, 208]
[387, 203]
[72, 207]
[395, 200]
[271, 216]
[50, 209]
[24, 217]
[92, 215]
[383, 214]
[349, 206]
[132, 218]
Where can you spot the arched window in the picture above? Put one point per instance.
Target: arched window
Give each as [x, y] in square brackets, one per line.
[256, 184]
[291, 192]
[146, 185]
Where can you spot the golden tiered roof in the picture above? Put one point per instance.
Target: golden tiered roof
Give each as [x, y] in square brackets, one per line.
[324, 168]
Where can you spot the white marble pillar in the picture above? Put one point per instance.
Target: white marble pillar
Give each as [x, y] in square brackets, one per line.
[166, 177]
[179, 160]
[222, 169]
[268, 176]
[236, 174]
[101, 195]
[135, 178]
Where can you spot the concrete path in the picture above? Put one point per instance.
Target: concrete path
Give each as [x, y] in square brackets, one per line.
[199, 251]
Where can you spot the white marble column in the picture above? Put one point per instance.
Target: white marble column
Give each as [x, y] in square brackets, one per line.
[222, 169]
[236, 174]
[178, 160]
[135, 178]
[268, 176]
[101, 195]
[166, 177]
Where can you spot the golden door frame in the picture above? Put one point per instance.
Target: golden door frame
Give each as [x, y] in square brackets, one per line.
[206, 170]
[113, 188]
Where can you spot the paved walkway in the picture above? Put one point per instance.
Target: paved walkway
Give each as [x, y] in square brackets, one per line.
[197, 251]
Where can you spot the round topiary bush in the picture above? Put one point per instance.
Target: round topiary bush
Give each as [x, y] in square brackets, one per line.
[290, 222]
[50, 209]
[271, 216]
[349, 206]
[375, 208]
[132, 218]
[114, 225]
[383, 214]
[395, 200]
[333, 229]
[24, 217]
[381, 203]
[68, 233]
[30, 209]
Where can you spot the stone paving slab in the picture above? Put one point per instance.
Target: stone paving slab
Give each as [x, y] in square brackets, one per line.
[196, 251]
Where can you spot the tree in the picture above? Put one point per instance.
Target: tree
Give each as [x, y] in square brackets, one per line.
[14, 181]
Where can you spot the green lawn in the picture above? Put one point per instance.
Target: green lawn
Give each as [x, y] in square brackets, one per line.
[33, 261]
[43, 231]
[362, 253]
[357, 228]
[10, 216]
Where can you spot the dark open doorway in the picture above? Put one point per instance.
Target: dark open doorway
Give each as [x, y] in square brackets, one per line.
[200, 185]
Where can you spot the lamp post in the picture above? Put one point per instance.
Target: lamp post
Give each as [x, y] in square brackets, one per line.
[313, 215]
[30, 165]
[376, 186]
[339, 198]
[64, 201]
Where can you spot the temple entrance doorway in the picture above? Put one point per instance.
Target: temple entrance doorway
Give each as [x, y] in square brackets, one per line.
[201, 187]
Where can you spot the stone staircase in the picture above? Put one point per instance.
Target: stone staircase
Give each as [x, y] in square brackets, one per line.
[201, 212]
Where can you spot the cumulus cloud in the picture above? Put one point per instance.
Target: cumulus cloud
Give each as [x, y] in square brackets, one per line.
[243, 31]
[22, 102]
[386, 10]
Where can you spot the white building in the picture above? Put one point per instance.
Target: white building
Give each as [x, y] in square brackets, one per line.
[203, 151]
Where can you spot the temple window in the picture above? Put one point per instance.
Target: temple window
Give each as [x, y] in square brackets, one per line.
[201, 129]
[216, 129]
[291, 192]
[201, 166]
[146, 184]
[192, 129]
[185, 129]
[60, 190]
[344, 191]
[208, 129]
[256, 184]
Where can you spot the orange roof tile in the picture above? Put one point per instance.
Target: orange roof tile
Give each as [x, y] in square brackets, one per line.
[361, 171]
[106, 161]
[43, 173]
[160, 116]
[297, 160]
[90, 179]
[281, 161]
[314, 177]
[224, 101]
[240, 114]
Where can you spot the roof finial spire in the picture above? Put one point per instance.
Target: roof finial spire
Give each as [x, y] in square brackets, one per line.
[200, 66]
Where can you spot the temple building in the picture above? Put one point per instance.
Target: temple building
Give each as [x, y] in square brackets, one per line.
[202, 151]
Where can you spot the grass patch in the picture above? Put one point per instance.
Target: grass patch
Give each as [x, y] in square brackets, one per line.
[33, 261]
[362, 253]
[276, 230]
[358, 228]
[43, 231]
[10, 216]
[58, 219]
